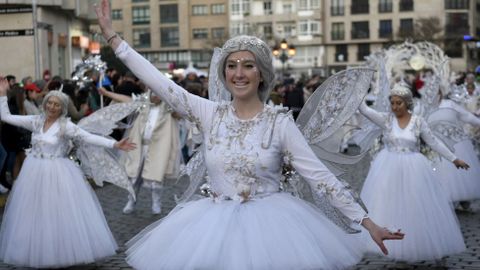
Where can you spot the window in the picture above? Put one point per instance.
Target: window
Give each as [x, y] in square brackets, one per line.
[385, 6]
[406, 27]
[338, 31]
[385, 30]
[289, 30]
[141, 15]
[457, 4]
[341, 53]
[359, 7]
[138, 1]
[239, 29]
[337, 8]
[267, 7]
[169, 36]
[117, 14]
[141, 38]
[267, 30]
[201, 56]
[406, 5]
[218, 9]
[453, 47]
[199, 10]
[200, 33]
[360, 30]
[363, 50]
[456, 24]
[169, 13]
[287, 8]
[309, 27]
[240, 7]
[218, 32]
[308, 4]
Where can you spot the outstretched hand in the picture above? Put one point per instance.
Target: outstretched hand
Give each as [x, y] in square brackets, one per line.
[104, 20]
[379, 234]
[125, 145]
[460, 164]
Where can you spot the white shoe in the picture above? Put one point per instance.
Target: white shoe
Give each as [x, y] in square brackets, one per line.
[3, 189]
[130, 206]
[156, 202]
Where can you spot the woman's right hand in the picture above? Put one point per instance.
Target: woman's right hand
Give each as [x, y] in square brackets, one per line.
[461, 164]
[104, 19]
[4, 86]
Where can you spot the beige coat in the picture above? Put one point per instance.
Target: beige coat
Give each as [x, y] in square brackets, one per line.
[163, 155]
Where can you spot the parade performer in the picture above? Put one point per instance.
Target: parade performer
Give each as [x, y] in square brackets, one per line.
[156, 132]
[417, 203]
[246, 223]
[53, 218]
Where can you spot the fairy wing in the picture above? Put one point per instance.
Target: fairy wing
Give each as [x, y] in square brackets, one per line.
[99, 163]
[322, 122]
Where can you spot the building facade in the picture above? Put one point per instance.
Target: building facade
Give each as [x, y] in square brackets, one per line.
[354, 28]
[172, 34]
[57, 41]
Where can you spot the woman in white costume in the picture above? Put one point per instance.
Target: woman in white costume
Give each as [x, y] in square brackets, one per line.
[401, 190]
[53, 218]
[246, 223]
[155, 131]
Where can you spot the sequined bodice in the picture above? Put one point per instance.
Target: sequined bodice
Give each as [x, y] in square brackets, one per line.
[398, 139]
[48, 144]
[237, 162]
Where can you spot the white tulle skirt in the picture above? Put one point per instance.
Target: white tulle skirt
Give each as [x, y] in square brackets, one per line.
[401, 192]
[53, 218]
[275, 232]
[461, 185]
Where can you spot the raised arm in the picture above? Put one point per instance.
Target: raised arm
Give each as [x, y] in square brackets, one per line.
[25, 121]
[323, 181]
[194, 108]
[437, 145]
[114, 96]
[377, 118]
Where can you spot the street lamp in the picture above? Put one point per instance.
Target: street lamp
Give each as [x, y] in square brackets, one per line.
[283, 53]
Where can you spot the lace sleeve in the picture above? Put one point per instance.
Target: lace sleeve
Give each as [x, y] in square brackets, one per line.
[24, 121]
[434, 142]
[196, 109]
[378, 118]
[76, 133]
[320, 179]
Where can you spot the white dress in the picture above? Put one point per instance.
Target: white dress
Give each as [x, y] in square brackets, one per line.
[401, 191]
[270, 230]
[461, 185]
[52, 218]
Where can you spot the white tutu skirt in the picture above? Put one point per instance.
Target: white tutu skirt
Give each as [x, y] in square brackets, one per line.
[401, 192]
[275, 232]
[53, 218]
[461, 185]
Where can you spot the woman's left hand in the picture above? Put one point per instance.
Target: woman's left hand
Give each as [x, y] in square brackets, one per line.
[125, 145]
[461, 164]
[379, 234]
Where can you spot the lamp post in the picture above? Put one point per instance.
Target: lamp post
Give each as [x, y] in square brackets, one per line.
[283, 53]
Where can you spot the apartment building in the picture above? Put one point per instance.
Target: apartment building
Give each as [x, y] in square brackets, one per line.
[57, 41]
[354, 28]
[171, 34]
[298, 22]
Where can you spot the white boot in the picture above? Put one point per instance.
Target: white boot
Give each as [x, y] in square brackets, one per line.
[130, 206]
[156, 201]
[3, 189]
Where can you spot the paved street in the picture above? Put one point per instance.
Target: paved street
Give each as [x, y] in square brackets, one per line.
[125, 227]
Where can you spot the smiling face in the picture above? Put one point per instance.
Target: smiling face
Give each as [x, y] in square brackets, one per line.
[242, 75]
[398, 105]
[53, 107]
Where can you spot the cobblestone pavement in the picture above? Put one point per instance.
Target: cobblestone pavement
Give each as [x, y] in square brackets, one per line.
[124, 227]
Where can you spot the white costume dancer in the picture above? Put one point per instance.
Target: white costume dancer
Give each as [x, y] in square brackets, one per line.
[461, 185]
[417, 202]
[53, 218]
